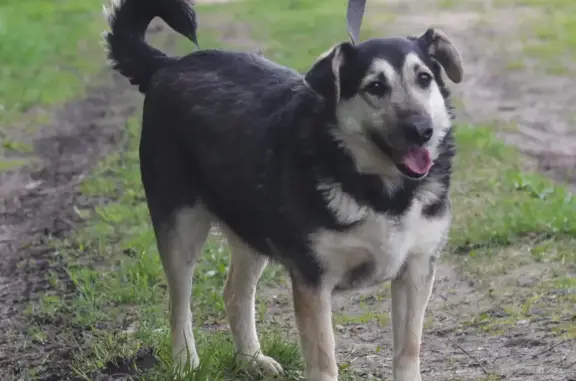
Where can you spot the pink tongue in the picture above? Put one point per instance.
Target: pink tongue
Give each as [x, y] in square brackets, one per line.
[418, 160]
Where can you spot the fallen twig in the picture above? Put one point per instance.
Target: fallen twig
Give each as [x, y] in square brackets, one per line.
[550, 348]
[469, 355]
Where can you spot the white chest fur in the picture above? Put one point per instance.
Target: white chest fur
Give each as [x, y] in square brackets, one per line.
[376, 248]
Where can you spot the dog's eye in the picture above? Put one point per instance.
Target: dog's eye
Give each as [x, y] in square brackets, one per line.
[424, 79]
[377, 88]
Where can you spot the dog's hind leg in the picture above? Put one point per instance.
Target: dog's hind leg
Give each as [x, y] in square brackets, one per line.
[410, 294]
[246, 267]
[181, 224]
[180, 241]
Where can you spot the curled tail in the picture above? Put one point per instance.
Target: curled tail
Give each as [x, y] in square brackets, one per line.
[127, 49]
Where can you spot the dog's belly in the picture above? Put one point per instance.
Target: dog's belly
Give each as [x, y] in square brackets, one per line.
[362, 276]
[376, 249]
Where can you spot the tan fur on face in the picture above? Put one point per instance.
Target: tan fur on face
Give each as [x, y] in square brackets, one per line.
[378, 67]
[364, 110]
[428, 100]
[354, 114]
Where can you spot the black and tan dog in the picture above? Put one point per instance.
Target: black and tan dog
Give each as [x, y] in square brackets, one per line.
[341, 174]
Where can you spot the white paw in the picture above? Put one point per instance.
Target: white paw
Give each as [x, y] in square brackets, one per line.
[409, 375]
[184, 362]
[267, 365]
[320, 375]
[406, 369]
[263, 365]
[416, 378]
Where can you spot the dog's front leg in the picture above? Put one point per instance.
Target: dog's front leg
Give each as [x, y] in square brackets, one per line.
[410, 294]
[314, 319]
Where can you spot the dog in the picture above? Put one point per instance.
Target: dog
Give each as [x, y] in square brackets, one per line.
[341, 174]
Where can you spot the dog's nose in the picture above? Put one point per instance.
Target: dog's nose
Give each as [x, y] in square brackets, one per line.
[418, 129]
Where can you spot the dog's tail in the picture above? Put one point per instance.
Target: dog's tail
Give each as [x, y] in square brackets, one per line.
[128, 51]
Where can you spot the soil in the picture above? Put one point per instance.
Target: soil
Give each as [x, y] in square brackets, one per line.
[40, 203]
[37, 207]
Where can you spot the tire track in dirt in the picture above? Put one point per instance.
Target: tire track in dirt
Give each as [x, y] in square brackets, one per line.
[39, 207]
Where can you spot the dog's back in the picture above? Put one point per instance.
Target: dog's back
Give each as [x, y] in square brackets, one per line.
[228, 90]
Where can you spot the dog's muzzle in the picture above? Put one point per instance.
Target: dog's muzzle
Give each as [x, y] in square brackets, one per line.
[413, 160]
[417, 129]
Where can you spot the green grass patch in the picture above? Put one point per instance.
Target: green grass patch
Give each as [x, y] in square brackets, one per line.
[11, 164]
[497, 203]
[48, 50]
[293, 32]
[120, 303]
[549, 34]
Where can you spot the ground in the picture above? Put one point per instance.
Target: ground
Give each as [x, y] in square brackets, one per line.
[82, 294]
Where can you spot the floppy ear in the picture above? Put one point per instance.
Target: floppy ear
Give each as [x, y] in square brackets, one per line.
[445, 52]
[324, 76]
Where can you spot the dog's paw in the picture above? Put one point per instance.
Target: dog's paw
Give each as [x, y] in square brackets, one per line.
[184, 363]
[413, 375]
[320, 375]
[410, 378]
[264, 365]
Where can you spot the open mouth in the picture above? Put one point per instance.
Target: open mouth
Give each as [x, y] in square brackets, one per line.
[414, 163]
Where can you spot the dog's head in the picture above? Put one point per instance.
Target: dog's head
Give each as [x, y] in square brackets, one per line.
[388, 96]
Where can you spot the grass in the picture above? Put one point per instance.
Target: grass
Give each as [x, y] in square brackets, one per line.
[48, 50]
[549, 34]
[503, 215]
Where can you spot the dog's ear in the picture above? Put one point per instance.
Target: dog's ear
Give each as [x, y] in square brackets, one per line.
[439, 47]
[325, 75]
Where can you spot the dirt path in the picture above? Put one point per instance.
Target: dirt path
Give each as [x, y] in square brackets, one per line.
[38, 206]
[461, 341]
[41, 204]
